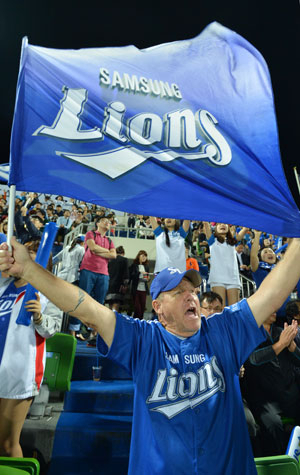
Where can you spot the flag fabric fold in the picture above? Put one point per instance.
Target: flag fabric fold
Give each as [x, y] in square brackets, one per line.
[184, 129]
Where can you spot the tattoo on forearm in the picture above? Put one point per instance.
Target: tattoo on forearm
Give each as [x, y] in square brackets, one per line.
[80, 300]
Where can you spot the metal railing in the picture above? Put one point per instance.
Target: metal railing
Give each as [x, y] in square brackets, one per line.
[248, 286]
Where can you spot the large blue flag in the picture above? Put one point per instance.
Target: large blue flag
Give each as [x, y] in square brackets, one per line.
[184, 129]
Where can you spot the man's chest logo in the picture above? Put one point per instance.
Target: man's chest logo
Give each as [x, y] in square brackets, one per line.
[187, 390]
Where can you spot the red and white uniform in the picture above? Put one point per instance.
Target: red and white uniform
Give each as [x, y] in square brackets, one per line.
[22, 348]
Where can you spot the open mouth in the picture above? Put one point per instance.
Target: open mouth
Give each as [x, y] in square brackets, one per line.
[191, 312]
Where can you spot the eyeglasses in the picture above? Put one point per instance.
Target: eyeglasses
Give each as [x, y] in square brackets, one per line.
[215, 309]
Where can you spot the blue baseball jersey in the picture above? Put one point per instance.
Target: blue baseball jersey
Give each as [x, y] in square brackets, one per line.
[188, 412]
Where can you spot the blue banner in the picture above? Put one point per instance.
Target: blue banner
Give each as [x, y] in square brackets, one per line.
[184, 130]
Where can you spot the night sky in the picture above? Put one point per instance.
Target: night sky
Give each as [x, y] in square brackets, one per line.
[272, 26]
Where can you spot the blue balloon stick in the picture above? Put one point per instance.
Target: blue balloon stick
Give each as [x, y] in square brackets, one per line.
[42, 257]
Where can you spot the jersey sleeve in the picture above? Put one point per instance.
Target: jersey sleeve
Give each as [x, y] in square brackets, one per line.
[130, 339]
[182, 232]
[51, 320]
[157, 231]
[237, 332]
[211, 240]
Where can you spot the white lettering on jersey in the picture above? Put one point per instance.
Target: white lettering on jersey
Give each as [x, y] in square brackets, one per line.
[195, 358]
[191, 388]
[173, 358]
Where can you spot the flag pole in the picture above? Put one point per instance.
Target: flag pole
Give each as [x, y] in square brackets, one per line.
[297, 179]
[11, 213]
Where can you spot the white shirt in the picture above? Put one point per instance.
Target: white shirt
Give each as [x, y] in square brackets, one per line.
[173, 256]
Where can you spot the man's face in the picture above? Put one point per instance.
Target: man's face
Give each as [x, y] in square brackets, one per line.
[179, 310]
[209, 308]
[67, 214]
[297, 317]
[37, 223]
[239, 248]
[103, 224]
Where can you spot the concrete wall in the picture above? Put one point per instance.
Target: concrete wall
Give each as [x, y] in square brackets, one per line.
[133, 245]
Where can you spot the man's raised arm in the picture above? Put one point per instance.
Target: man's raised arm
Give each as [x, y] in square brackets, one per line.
[67, 297]
[278, 285]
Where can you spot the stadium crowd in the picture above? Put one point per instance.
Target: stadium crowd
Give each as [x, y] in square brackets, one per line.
[227, 258]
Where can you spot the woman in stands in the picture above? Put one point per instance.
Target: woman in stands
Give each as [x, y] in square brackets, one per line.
[224, 272]
[169, 240]
[262, 259]
[3, 230]
[118, 279]
[22, 355]
[71, 259]
[139, 278]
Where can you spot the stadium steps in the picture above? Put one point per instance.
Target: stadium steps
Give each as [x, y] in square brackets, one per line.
[93, 431]
[103, 397]
[91, 443]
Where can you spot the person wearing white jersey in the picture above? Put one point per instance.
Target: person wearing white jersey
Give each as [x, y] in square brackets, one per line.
[169, 240]
[70, 263]
[22, 355]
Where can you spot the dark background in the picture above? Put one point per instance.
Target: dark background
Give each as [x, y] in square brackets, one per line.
[272, 26]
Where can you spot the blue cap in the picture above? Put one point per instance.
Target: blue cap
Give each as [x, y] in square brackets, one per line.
[81, 237]
[170, 277]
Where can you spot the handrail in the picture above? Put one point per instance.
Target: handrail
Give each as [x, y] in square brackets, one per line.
[247, 284]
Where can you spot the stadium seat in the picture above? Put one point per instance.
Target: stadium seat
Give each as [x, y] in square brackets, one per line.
[61, 350]
[19, 466]
[277, 465]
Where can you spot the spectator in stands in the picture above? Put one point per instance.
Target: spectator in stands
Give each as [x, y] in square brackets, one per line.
[50, 217]
[74, 211]
[224, 273]
[210, 303]
[191, 262]
[169, 240]
[262, 260]
[58, 210]
[243, 260]
[139, 278]
[22, 355]
[79, 218]
[131, 221]
[118, 279]
[3, 230]
[99, 249]
[202, 244]
[64, 223]
[292, 310]
[144, 228]
[273, 386]
[87, 215]
[4, 207]
[59, 200]
[100, 213]
[28, 227]
[70, 263]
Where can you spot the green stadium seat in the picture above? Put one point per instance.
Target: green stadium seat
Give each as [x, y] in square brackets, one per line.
[61, 350]
[19, 466]
[277, 465]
